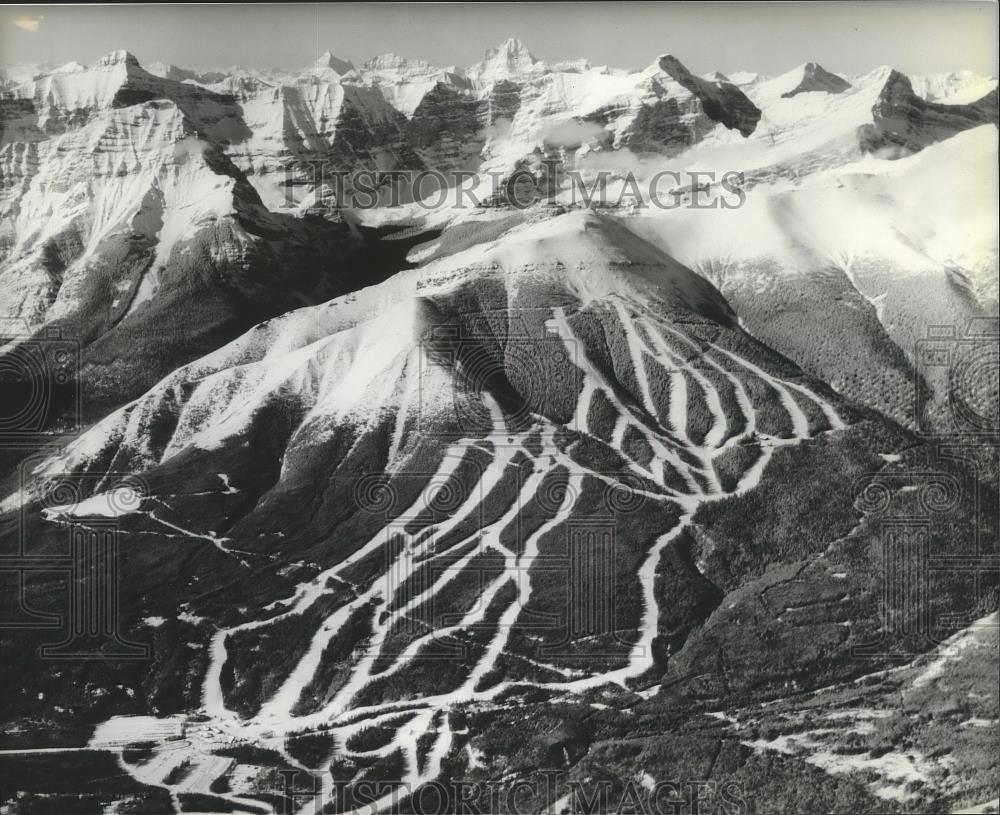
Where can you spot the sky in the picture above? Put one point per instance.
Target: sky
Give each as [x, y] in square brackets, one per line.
[914, 36]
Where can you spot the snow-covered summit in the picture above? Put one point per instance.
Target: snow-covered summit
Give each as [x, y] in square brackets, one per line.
[509, 60]
[815, 78]
[328, 62]
[119, 57]
[73, 67]
[394, 63]
[405, 82]
[954, 87]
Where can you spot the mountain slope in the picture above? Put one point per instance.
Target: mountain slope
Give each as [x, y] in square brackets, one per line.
[403, 492]
[570, 501]
[124, 217]
[855, 251]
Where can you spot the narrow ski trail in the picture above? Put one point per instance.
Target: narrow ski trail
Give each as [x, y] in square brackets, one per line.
[696, 371]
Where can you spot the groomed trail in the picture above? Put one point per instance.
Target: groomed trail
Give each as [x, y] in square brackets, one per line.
[698, 371]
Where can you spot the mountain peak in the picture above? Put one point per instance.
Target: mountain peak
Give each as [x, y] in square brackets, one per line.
[816, 78]
[394, 62]
[722, 101]
[511, 49]
[329, 61]
[509, 59]
[119, 57]
[70, 68]
[674, 68]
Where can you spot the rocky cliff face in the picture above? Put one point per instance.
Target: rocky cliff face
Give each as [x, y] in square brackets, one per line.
[404, 82]
[904, 121]
[722, 101]
[301, 127]
[447, 128]
[281, 129]
[122, 196]
[510, 60]
[113, 161]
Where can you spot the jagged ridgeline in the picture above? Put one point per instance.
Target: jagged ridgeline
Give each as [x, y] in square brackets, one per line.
[405, 502]
[128, 191]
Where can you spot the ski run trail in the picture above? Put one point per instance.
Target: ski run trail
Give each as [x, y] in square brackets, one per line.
[695, 368]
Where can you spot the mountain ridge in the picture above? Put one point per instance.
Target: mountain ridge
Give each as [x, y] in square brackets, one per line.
[610, 492]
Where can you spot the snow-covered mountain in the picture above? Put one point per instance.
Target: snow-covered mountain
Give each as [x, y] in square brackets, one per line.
[427, 468]
[120, 198]
[408, 495]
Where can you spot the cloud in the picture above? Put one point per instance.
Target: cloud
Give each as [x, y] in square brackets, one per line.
[621, 161]
[499, 129]
[29, 23]
[572, 133]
